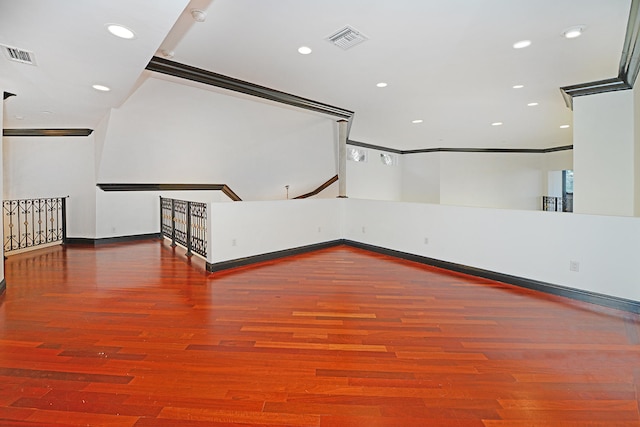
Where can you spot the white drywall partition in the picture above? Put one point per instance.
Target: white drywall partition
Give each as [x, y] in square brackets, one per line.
[534, 245]
[421, 177]
[244, 229]
[493, 180]
[604, 145]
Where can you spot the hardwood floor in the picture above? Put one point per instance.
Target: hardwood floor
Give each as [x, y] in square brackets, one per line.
[132, 335]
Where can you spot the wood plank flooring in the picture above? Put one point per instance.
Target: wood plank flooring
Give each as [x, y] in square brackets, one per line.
[137, 335]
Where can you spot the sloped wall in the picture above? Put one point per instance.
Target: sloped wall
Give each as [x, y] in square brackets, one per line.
[174, 133]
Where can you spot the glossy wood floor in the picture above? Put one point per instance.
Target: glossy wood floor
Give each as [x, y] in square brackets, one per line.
[132, 335]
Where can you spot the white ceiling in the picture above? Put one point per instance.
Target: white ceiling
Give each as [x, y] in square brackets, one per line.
[448, 62]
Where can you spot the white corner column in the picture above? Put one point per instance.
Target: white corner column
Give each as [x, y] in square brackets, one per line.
[2, 281]
[342, 158]
[604, 150]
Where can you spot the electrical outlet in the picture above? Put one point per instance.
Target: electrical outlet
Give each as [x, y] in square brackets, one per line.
[364, 230]
[319, 229]
[574, 266]
[233, 242]
[426, 240]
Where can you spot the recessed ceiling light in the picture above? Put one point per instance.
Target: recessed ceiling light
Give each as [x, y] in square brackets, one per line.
[19, 117]
[565, 127]
[532, 104]
[382, 84]
[573, 32]
[518, 86]
[305, 50]
[101, 88]
[496, 124]
[522, 44]
[46, 112]
[120, 31]
[198, 15]
[417, 121]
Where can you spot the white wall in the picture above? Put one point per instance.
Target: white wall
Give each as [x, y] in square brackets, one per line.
[243, 229]
[554, 184]
[536, 245]
[636, 149]
[497, 180]
[530, 244]
[373, 179]
[173, 133]
[2, 176]
[129, 213]
[421, 177]
[54, 167]
[554, 164]
[604, 154]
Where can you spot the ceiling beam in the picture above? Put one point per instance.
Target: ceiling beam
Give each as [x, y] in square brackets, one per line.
[176, 69]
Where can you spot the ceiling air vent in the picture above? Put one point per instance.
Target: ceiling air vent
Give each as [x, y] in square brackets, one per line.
[347, 38]
[19, 55]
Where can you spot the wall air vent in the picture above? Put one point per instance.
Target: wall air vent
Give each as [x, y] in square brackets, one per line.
[19, 55]
[347, 38]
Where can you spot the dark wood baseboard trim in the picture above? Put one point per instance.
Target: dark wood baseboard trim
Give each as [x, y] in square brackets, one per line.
[270, 256]
[47, 132]
[170, 187]
[3, 286]
[107, 240]
[549, 288]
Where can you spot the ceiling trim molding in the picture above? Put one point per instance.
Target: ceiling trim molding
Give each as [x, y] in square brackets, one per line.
[630, 59]
[169, 187]
[627, 70]
[47, 132]
[463, 150]
[176, 69]
[374, 147]
[592, 88]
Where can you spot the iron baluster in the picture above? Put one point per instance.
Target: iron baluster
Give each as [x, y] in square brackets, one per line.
[189, 253]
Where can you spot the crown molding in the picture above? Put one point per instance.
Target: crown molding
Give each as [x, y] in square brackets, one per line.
[47, 132]
[627, 70]
[176, 69]
[462, 150]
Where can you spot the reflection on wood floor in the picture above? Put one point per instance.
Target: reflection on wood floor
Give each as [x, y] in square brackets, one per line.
[136, 335]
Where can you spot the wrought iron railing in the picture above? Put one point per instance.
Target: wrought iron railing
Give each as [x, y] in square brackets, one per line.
[29, 223]
[553, 204]
[185, 223]
[558, 204]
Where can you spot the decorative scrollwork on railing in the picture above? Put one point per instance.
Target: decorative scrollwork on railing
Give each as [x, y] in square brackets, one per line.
[553, 204]
[29, 223]
[185, 223]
